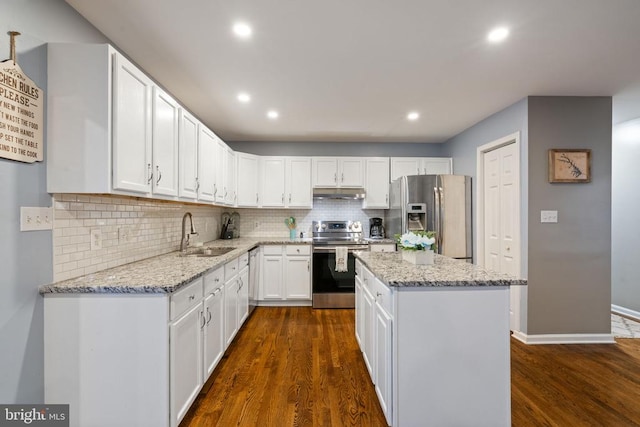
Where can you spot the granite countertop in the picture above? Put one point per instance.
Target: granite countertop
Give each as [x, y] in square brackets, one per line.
[380, 241]
[161, 274]
[394, 272]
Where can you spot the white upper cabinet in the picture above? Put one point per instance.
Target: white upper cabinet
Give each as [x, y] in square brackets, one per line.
[206, 152]
[401, 166]
[188, 183]
[298, 182]
[338, 172]
[247, 183]
[376, 183]
[132, 162]
[166, 112]
[219, 164]
[231, 191]
[273, 181]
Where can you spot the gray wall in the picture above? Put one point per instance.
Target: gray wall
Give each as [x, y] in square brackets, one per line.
[570, 262]
[26, 257]
[368, 149]
[625, 205]
[463, 149]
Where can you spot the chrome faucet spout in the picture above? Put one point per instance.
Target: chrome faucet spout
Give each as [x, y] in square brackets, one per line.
[184, 241]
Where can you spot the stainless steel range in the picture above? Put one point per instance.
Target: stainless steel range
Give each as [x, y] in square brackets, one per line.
[333, 288]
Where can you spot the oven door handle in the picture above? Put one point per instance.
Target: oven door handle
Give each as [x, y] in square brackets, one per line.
[332, 249]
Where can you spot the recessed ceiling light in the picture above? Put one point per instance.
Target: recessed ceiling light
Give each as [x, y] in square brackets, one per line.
[242, 30]
[498, 34]
[244, 97]
[273, 114]
[413, 116]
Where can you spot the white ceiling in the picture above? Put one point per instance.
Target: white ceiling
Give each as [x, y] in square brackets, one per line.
[351, 70]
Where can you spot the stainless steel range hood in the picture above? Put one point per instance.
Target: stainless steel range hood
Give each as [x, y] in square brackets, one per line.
[338, 193]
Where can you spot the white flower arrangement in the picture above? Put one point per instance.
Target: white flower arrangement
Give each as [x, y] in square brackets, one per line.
[417, 240]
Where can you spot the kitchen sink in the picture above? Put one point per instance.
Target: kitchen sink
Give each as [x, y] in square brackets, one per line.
[208, 252]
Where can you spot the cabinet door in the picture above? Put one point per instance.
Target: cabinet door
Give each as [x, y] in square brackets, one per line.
[188, 183]
[382, 367]
[437, 166]
[377, 184]
[247, 182]
[132, 168]
[324, 171]
[401, 166]
[368, 308]
[185, 366]
[214, 331]
[273, 181]
[220, 171]
[231, 192]
[165, 143]
[351, 171]
[297, 277]
[230, 310]
[298, 183]
[271, 283]
[243, 296]
[206, 153]
[359, 313]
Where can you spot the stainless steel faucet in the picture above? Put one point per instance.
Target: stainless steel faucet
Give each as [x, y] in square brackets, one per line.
[184, 242]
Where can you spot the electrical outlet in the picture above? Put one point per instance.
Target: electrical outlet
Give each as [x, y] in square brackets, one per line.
[549, 216]
[33, 219]
[96, 239]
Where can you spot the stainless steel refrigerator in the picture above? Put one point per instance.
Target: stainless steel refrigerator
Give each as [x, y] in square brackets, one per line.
[440, 203]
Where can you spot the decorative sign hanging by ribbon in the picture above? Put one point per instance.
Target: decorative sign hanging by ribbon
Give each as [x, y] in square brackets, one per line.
[21, 112]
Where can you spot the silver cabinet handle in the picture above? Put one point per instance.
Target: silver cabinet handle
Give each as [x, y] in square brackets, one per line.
[342, 180]
[217, 279]
[204, 321]
[386, 198]
[215, 189]
[283, 198]
[150, 172]
[208, 316]
[378, 294]
[335, 177]
[192, 297]
[256, 198]
[308, 266]
[197, 184]
[289, 197]
[225, 192]
[159, 174]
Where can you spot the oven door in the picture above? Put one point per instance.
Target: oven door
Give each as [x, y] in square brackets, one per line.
[332, 289]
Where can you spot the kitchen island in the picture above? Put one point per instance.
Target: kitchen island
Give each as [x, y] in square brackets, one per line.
[435, 340]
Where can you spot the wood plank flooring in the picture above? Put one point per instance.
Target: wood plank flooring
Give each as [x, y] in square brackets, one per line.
[302, 367]
[291, 367]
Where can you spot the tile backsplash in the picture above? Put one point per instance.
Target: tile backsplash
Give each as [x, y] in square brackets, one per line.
[134, 228]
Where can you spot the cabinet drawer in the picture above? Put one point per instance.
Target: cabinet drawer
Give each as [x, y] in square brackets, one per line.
[186, 298]
[381, 294]
[243, 260]
[230, 269]
[382, 247]
[298, 249]
[272, 250]
[213, 280]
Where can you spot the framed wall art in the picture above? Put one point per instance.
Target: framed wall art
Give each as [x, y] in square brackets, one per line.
[569, 165]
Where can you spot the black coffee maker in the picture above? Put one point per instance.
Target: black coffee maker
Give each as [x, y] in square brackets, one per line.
[376, 229]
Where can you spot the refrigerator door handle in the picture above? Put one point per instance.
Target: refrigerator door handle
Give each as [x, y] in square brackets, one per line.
[441, 218]
[436, 222]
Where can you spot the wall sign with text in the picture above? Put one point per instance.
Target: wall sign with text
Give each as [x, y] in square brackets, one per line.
[21, 115]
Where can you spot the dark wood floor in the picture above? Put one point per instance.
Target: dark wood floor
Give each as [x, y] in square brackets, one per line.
[302, 367]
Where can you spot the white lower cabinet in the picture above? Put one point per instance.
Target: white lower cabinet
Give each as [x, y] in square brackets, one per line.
[146, 354]
[374, 321]
[285, 274]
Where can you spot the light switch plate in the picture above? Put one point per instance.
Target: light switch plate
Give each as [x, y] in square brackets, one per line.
[36, 218]
[549, 216]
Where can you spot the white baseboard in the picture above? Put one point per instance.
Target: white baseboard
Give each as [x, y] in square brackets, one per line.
[564, 338]
[623, 311]
[280, 303]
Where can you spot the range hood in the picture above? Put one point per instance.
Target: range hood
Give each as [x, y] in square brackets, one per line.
[338, 193]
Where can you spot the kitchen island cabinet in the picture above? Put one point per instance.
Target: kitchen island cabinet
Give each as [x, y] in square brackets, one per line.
[439, 340]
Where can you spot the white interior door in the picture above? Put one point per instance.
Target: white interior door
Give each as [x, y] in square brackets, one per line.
[501, 225]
